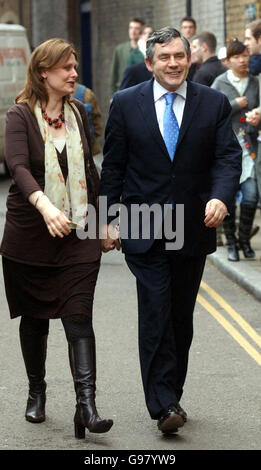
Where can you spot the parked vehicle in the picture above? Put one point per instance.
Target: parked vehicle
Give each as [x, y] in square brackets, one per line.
[14, 57]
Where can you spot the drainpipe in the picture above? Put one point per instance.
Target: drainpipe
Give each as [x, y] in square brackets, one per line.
[225, 20]
[188, 8]
[20, 12]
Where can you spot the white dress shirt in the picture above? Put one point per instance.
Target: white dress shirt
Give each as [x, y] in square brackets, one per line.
[239, 83]
[160, 102]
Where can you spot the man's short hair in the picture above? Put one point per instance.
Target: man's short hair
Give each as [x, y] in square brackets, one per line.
[208, 38]
[137, 20]
[255, 27]
[189, 18]
[163, 36]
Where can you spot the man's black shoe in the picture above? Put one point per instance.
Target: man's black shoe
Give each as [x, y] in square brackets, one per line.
[171, 420]
[182, 413]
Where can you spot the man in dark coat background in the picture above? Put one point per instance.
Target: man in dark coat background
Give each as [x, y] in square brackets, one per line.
[135, 74]
[203, 49]
[168, 142]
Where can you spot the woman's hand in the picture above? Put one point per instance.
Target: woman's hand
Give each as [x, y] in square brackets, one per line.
[242, 101]
[110, 238]
[57, 223]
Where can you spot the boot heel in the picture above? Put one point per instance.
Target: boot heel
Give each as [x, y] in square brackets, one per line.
[79, 431]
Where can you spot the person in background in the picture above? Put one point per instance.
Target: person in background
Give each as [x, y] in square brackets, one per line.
[253, 44]
[222, 55]
[138, 55]
[122, 52]
[147, 30]
[88, 98]
[203, 52]
[242, 90]
[188, 28]
[138, 73]
[135, 74]
[49, 271]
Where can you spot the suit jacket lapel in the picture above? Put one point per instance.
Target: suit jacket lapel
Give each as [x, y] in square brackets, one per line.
[147, 107]
[190, 107]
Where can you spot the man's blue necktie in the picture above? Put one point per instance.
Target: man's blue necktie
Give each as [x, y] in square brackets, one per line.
[170, 125]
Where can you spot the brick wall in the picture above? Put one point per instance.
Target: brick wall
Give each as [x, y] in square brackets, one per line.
[9, 11]
[17, 13]
[42, 27]
[110, 19]
[236, 17]
[210, 17]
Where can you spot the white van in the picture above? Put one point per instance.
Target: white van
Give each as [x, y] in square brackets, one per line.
[14, 57]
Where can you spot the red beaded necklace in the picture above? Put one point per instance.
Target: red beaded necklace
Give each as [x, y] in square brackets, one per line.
[56, 121]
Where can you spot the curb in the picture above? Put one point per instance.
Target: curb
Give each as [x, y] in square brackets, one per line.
[246, 277]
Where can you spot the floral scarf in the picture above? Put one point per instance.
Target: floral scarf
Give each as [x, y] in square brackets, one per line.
[71, 196]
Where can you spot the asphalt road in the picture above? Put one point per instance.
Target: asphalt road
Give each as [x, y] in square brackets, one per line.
[222, 392]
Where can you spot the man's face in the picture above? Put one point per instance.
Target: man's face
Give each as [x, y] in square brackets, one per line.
[196, 52]
[187, 29]
[253, 45]
[134, 30]
[170, 64]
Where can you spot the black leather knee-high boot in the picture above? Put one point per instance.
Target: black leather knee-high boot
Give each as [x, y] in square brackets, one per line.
[247, 215]
[229, 224]
[34, 353]
[83, 367]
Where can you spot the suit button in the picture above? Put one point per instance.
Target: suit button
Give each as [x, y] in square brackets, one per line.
[173, 176]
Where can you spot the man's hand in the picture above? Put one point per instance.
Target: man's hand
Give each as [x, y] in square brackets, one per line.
[253, 117]
[215, 213]
[110, 238]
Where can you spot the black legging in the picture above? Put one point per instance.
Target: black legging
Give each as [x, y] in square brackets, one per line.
[75, 326]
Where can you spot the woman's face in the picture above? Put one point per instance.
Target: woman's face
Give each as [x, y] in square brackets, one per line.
[239, 63]
[60, 79]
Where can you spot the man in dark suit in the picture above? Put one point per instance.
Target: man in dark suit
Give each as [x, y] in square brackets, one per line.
[169, 142]
[135, 74]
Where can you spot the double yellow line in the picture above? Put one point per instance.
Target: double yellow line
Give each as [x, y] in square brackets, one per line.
[252, 351]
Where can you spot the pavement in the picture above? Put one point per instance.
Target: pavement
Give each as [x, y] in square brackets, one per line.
[246, 272]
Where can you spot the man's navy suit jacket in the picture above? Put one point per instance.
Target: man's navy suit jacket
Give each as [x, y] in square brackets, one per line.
[137, 168]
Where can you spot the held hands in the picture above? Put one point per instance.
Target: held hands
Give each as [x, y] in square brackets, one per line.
[110, 238]
[253, 117]
[215, 213]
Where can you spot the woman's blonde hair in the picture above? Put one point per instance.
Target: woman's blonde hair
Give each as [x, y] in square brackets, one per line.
[45, 56]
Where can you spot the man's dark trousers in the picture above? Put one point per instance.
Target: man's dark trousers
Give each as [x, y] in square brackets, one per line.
[167, 286]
